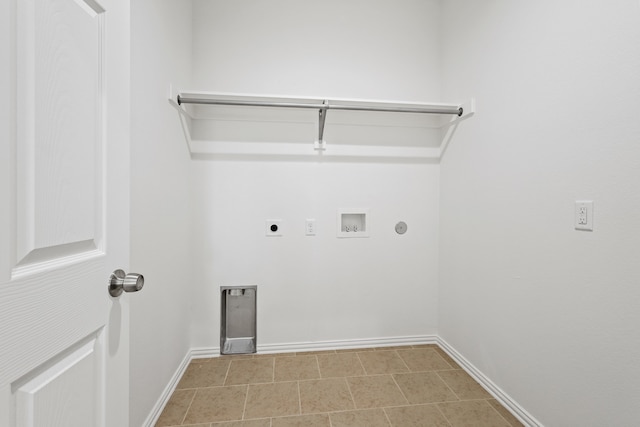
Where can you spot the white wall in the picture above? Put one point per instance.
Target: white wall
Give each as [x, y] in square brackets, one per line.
[160, 202]
[317, 289]
[549, 313]
[355, 49]
[546, 312]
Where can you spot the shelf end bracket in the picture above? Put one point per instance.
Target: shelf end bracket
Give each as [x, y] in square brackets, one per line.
[322, 115]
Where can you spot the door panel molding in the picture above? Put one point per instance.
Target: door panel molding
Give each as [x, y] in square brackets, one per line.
[42, 260]
[59, 189]
[72, 381]
[44, 314]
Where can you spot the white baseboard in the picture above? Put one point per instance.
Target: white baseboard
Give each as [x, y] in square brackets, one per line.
[206, 352]
[505, 400]
[153, 416]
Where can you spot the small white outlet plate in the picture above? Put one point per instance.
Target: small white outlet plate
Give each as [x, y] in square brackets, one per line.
[583, 218]
[310, 227]
[273, 228]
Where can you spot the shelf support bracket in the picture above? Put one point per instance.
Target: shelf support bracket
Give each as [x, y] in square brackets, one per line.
[322, 115]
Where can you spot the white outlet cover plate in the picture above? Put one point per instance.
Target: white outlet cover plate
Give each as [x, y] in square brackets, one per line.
[310, 227]
[267, 227]
[583, 216]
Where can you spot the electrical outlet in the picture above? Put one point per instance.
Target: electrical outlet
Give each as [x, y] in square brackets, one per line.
[310, 227]
[273, 228]
[583, 215]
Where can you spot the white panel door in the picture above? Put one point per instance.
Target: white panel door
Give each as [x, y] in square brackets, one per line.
[64, 123]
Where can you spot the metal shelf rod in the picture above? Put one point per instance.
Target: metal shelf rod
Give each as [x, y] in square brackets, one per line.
[327, 105]
[420, 110]
[208, 101]
[322, 108]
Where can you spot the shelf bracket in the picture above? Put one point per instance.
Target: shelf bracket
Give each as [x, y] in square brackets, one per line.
[322, 115]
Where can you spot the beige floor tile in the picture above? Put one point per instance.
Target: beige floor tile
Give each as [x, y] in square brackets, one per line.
[382, 362]
[513, 421]
[361, 418]
[261, 356]
[217, 404]
[375, 392]
[205, 359]
[424, 387]
[465, 387]
[250, 371]
[296, 368]
[237, 356]
[272, 400]
[265, 422]
[325, 396]
[340, 365]
[204, 374]
[416, 416]
[353, 350]
[315, 420]
[447, 358]
[476, 413]
[392, 347]
[432, 346]
[423, 359]
[416, 385]
[176, 408]
[315, 353]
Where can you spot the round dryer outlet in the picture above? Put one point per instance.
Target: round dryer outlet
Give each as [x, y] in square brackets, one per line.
[401, 227]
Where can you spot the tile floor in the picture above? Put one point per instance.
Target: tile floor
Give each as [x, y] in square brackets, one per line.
[400, 386]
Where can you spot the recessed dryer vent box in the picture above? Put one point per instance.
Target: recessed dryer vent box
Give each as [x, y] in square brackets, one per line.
[353, 223]
[238, 319]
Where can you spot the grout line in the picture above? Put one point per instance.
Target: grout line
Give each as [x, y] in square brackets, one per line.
[400, 388]
[189, 407]
[355, 407]
[384, 411]
[227, 373]
[405, 363]
[378, 375]
[273, 371]
[244, 407]
[318, 367]
[361, 364]
[443, 414]
[299, 399]
[440, 351]
[449, 387]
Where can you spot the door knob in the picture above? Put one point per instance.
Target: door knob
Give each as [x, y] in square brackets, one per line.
[119, 281]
